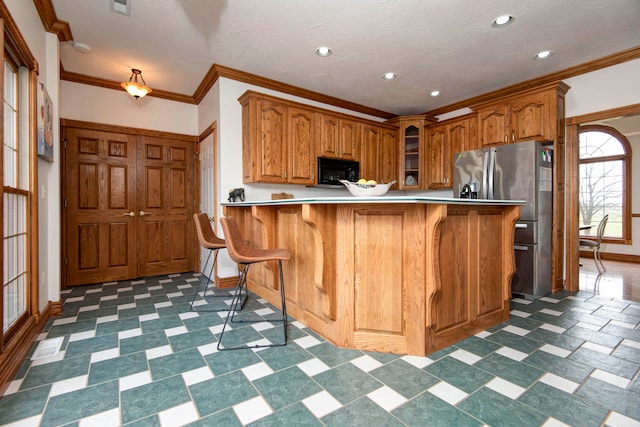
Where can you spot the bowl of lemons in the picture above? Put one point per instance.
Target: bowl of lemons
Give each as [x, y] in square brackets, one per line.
[367, 188]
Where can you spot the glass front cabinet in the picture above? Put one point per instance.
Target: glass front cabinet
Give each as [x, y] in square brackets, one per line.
[411, 152]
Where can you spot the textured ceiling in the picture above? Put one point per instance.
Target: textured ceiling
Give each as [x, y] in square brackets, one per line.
[447, 45]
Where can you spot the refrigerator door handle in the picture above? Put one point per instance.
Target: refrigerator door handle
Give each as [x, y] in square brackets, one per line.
[520, 248]
[522, 226]
[485, 177]
[492, 163]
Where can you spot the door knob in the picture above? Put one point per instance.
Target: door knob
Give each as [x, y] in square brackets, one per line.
[143, 213]
[131, 214]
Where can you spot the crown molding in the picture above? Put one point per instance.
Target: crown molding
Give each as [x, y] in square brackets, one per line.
[110, 84]
[50, 21]
[587, 67]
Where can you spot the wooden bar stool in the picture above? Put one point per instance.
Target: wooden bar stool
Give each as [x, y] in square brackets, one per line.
[245, 255]
[213, 243]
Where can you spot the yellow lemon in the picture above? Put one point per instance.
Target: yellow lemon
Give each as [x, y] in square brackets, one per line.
[371, 182]
[362, 181]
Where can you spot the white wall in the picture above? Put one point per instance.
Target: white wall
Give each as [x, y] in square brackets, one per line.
[116, 107]
[601, 90]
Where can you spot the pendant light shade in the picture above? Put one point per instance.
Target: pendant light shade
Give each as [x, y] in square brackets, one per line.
[136, 89]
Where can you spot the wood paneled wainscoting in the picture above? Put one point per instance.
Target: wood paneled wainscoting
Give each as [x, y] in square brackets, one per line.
[128, 200]
[408, 278]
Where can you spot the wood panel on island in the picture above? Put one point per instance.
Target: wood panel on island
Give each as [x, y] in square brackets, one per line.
[407, 278]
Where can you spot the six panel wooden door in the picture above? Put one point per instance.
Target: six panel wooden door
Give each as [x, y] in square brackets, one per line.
[166, 202]
[100, 206]
[129, 202]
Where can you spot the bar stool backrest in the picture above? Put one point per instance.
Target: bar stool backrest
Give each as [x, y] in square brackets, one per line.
[206, 235]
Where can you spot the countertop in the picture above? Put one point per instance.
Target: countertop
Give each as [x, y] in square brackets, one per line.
[381, 199]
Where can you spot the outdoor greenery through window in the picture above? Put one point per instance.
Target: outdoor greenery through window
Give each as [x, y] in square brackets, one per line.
[605, 161]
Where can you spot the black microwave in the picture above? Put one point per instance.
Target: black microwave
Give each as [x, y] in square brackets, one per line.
[331, 171]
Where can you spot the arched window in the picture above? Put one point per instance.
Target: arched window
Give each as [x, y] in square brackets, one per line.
[605, 182]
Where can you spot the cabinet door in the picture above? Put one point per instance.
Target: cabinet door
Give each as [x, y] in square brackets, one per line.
[530, 118]
[349, 147]
[301, 147]
[388, 156]
[410, 137]
[459, 140]
[493, 123]
[436, 148]
[328, 135]
[271, 156]
[369, 163]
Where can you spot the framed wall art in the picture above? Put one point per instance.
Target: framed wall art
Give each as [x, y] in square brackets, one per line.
[45, 124]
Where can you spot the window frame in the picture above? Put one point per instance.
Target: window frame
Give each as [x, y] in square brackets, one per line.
[15, 49]
[626, 160]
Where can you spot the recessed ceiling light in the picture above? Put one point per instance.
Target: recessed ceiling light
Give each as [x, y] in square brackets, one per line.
[543, 54]
[323, 51]
[434, 93]
[502, 21]
[389, 76]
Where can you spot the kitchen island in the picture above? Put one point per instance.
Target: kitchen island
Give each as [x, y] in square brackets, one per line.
[406, 275]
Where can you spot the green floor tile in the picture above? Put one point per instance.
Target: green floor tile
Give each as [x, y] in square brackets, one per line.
[568, 408]
[73, 406]
[279, 358]
[347, 383]
[224, 362]
[286, 387]
[117, 367]
[496, 410]
[511, 370]
[565, 368]
[362, 412]
[404, 378]
[23, 404]
[56, 371]
[611, 364]
[149, 399]
[143, 342]
[176, 363]
[294, 415]
[623, 401]
[221, 392]
[465, 377]
[428, 410]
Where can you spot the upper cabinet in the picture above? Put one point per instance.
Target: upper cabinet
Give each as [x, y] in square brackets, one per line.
[379, 159]
[525, 117]
[411, 144]
[444, 139]
[278, 141]
[337, 137]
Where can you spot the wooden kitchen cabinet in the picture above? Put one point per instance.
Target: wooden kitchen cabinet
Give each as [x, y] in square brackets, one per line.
[337, 137]
[526, 117]
[277, 141]
[411, 149]
[443, 141]
[379, 159]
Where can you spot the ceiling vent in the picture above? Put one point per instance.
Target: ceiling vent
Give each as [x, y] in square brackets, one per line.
[121, 6]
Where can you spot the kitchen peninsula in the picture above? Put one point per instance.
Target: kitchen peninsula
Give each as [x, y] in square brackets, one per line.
[406, 275]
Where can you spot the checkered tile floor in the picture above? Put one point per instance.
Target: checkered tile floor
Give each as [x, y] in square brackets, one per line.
[132, 353]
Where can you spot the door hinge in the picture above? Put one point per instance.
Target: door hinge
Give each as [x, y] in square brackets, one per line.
[65, 143]
[66, 261]
[65, 203]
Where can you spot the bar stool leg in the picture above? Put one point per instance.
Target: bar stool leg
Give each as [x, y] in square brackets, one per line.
[242, 284]
[205, 280]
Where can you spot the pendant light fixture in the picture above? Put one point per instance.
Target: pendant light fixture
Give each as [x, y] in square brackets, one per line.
[135, 89]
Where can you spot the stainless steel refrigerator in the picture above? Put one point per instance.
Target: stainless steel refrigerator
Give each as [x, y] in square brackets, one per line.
[521, 171]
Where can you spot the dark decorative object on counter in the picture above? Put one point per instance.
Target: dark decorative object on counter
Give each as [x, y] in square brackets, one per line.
[236, 193]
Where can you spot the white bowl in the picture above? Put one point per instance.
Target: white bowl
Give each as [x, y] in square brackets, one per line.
[363, 190]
